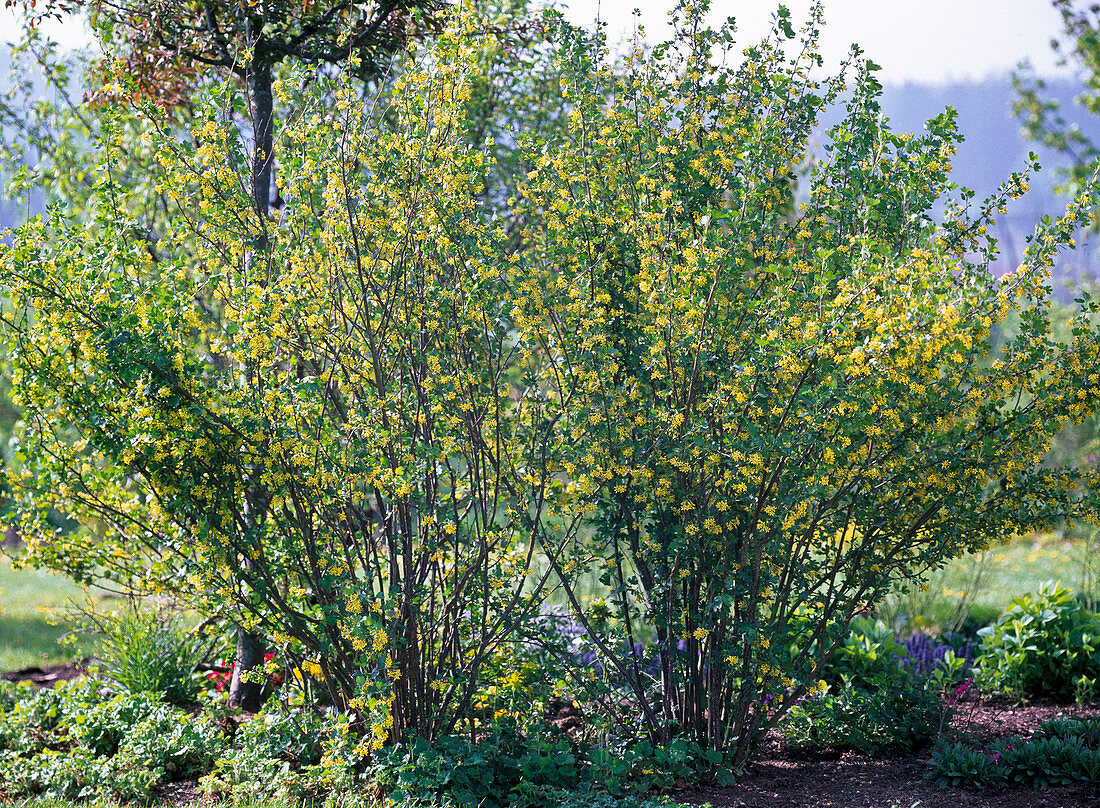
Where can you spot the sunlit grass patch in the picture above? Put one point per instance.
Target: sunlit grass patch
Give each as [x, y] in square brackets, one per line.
[32, 611]
[972, 590]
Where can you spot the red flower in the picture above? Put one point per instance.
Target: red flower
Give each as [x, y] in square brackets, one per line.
[961, 689]
[219, 678]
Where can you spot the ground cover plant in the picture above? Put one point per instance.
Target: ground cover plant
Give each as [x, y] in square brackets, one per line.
[77, 742]
[377, 427]
[1060, 752]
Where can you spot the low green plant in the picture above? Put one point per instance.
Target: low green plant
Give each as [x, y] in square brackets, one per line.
[1041, 645]
[1060, 752]
[70, 744]
[1087, 730]
[948, 676]
[892, 714]
[513, 770]
[642, 766]
[870, 653]
[147, 652]
[1085, 689]
[450, 771]
[66, 743]
[957, 765]
[282, 752]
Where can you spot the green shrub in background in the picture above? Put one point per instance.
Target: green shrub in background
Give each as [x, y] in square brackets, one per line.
[876, 695]
[895, 714]
[1043, 644]
[869, 655]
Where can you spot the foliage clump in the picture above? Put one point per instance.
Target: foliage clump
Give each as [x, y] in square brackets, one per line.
[148, 651]
[71, 743]
[1044, 643]
[1060, 753]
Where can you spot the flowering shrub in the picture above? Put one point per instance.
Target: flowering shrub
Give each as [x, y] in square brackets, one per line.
[773, 403]
[221, 677]
[748, 413]
[349, 499]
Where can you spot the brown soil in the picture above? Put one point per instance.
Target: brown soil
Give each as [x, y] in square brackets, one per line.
[48, 676]
[851, 780]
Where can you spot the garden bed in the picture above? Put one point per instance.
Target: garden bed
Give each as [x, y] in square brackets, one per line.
[851, 780]
[781, 778]
[48, 675]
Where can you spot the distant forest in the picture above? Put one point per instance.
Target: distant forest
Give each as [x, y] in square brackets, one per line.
[994, 147]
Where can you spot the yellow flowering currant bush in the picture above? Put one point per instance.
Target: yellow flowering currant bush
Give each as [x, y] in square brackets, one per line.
[750, 404]
[779, 403]
[309, 420]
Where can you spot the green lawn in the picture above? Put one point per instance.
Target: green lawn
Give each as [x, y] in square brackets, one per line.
[973, 590]
[31, 604]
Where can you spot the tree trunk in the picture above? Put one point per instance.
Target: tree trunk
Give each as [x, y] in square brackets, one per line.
[261, 107]
[252, 647]
[250, 654]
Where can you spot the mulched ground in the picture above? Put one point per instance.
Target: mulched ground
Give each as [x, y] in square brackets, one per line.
[826, 780]
[48, 676]
[850, 780]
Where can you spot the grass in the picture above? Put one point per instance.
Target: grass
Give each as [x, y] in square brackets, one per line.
[973, 590]
[32, 610]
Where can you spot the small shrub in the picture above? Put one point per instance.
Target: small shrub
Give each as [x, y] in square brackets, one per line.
[1087, 730]
[1041, 645]
[956, 765]
[148, 652]
[869, 654]
[894, 714]
[1061, 752]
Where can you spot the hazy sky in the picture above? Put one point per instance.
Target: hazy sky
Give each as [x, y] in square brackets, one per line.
[928, 41]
